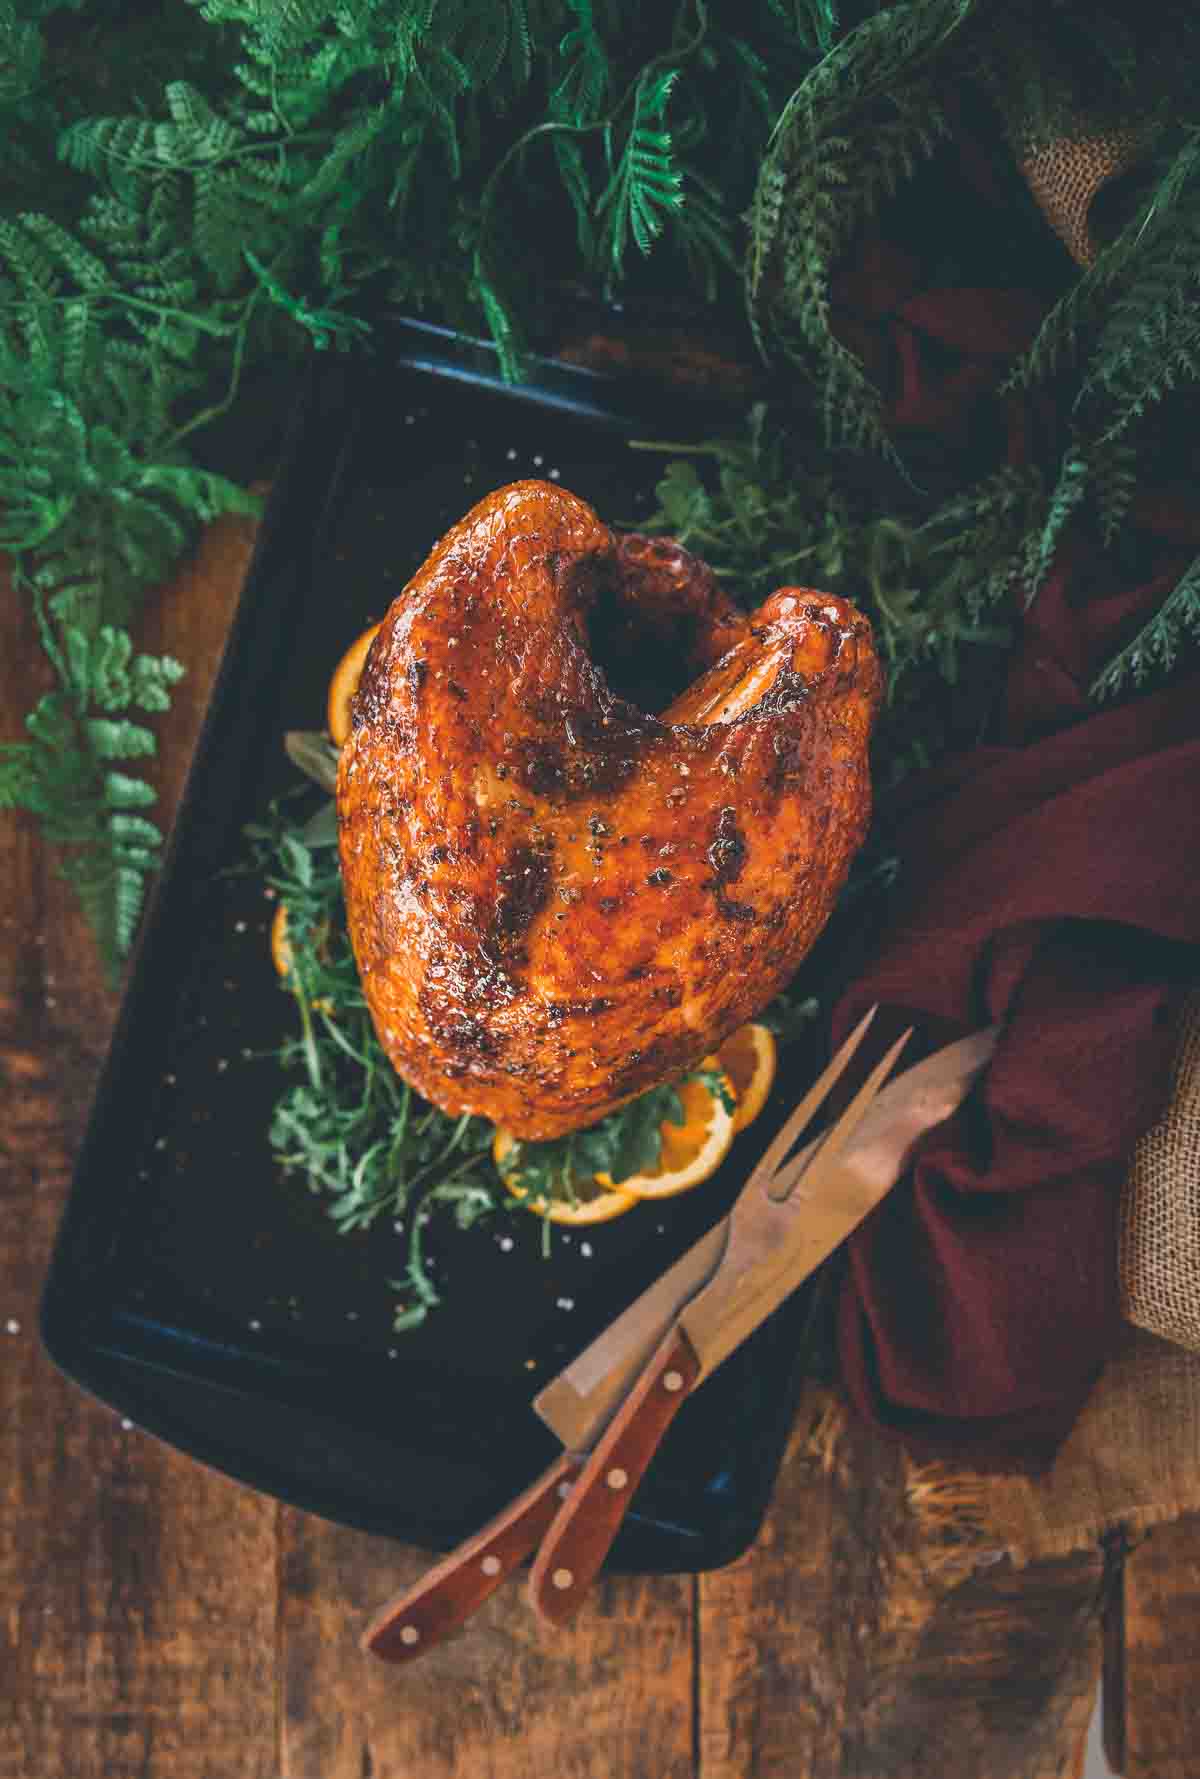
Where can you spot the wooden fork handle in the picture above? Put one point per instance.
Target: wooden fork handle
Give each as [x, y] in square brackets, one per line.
[446, 1596]
[584, 1527]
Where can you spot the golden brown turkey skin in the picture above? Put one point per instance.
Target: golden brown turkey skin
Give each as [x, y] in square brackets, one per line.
[557, 900]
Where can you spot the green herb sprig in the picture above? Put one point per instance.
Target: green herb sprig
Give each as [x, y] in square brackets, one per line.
[350, 1128]
[191, 193]
[358, 1135]
[769, 512]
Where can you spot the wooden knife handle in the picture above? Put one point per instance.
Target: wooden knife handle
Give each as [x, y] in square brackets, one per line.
[447, 1595]
[588, 1520]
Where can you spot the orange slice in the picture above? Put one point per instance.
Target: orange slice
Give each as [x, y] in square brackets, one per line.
[283, 957]
[595, 1203]
[344, 684]
[748, 1058]
[281, 945]
[691, 1151]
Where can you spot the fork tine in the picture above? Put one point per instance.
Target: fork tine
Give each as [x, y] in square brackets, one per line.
[786, 1139]
[834, 1140]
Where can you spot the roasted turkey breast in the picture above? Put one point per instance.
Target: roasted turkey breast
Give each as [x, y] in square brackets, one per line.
[558, 898]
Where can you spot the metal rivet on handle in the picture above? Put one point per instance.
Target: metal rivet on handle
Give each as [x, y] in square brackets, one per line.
[563, 1579]
[673, 1381]
[490, 1565]
[410, 1635]
[617, 1478]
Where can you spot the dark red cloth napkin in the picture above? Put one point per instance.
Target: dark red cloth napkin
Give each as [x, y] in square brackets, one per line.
[1049, 882]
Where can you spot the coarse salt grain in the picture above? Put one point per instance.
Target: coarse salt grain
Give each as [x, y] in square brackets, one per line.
[12, 1325]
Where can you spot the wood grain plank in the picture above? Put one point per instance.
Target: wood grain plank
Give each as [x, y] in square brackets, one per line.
[870, 1634]
[1160, 1637]
[139, 1588]
[610, 1697]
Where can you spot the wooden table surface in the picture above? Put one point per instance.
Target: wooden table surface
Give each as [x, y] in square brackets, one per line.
[162, 1622]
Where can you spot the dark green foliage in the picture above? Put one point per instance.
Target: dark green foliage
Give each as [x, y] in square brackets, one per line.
[98, 503]
[192, 190]
[859, 123]
[646, 184]
[1126, 330]
[770, 514]
[1156, 647]
[69, 773]
[251, 168]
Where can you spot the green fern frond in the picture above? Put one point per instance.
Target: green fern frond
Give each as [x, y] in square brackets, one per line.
[67, 776]
[502, 323]
[109, 740]
[815, 22]
[584, 86]
[324, 326]
[1065, 499]
[21, 57]
[814, 189]
[972, 544]
[1156, 647]
[520, 41]
[18, 774]
[1114, 481]
[646, 184]
[572, 167]
[881, 54]
[704, 231]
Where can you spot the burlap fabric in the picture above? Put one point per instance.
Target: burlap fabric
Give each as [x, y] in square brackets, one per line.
[1066, 176]
[1131, 1462]
[1160, 1213]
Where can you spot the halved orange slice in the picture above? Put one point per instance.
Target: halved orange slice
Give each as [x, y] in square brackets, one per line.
[281, 945]
[748, 1057]
[691, 1151]
[594, 1203]
[283, 957]
[344, 684]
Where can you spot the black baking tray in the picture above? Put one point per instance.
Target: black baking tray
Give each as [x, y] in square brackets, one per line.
[207, 1298]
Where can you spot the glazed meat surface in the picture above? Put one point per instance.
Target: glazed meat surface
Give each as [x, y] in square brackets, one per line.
[557, 897]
